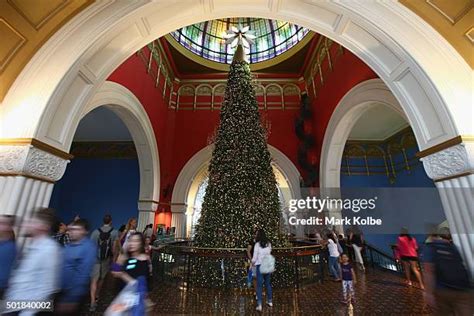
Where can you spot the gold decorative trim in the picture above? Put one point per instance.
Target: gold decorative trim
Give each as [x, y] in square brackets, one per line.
[470, 34]
[26, 176]
[434, 149]
[467, 138]
[455, 176]
[452, 19]
[225, 67]
[13, 50]
[44, 19]
[38, 144]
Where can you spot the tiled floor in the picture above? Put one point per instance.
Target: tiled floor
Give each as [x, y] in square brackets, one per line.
[377, 293]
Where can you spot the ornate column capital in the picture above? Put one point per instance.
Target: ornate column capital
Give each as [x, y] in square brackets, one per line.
[451, 162]
[30, 161]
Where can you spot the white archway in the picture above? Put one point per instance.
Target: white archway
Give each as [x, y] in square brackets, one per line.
[455, 191]
[195, 171]
[126, 105]
[350, 108]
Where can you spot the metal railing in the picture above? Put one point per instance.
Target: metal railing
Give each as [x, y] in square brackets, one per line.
[376, 258]
[177, 263]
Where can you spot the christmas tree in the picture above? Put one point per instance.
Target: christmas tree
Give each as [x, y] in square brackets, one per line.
[242, 193]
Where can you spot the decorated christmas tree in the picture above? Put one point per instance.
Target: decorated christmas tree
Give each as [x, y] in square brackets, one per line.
[242, 193]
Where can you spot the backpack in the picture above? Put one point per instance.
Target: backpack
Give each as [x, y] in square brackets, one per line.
[268, 264]
[449, 267]
[104, 244]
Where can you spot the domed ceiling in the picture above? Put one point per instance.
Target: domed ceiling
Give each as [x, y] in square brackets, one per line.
[207, 41]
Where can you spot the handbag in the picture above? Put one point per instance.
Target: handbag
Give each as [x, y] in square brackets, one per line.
[125, 301]
[268, 264]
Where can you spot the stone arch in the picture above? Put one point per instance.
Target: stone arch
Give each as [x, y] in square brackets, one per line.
[195, 170]
[126, 106]
[351, 107]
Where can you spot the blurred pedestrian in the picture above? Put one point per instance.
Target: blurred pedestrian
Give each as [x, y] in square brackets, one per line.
[357, 241]
[7, 250]
[37, 276]
[79, 259]
[60, 234]
[148, 231]
[447, 284]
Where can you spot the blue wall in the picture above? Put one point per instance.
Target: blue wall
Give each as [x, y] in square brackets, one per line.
[94, 187]
[419, 207]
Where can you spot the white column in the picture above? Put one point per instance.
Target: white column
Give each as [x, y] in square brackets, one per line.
[178, 219]
[452, 170]
[146, 214]
[27, 176]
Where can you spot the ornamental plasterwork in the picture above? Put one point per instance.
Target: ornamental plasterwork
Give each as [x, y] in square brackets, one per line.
[31, 161]
[448, 162]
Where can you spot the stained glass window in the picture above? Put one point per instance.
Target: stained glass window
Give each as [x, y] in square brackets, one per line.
[207, 40]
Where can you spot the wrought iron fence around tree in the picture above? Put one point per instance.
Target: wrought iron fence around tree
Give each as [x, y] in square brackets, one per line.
[175, 263]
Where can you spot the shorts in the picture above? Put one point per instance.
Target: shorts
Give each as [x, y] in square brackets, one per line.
[100, 270]
[408, 258]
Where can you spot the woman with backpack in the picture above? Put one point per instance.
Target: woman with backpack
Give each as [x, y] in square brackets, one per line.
[407, 251]
[265, 265]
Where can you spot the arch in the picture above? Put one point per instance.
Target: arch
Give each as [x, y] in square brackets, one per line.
[352, 106]
[195, 170]
[64, 74]
[126, 105]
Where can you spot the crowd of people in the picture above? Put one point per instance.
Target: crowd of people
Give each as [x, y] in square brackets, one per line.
[62, 265]
[445, 279]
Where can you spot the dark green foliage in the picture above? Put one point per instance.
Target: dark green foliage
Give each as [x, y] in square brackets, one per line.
[242, 191]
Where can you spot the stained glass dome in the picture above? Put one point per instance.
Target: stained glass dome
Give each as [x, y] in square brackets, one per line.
[207, 40]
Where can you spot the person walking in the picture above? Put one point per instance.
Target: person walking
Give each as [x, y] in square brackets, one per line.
[130, 229]
[446, 278]
[37, 276]
[61, 234]
[251, 271]
[7, 250]
[407, 252]
[148, 231]
[104, 237]
[333, 257]
[262, 251]
[133, 265]
[348, 280]
[79, 259]
[357, 242]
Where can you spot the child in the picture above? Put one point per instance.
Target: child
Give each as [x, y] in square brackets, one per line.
[348, 280]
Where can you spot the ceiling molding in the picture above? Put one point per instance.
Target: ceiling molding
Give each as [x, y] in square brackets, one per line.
[24, 27]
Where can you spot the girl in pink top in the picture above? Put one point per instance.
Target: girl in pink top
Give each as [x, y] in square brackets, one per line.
[407, 251]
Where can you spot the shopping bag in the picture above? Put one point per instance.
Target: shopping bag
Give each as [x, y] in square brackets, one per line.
[125, 301]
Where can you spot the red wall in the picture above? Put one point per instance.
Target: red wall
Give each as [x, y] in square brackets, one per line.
[348, 71]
